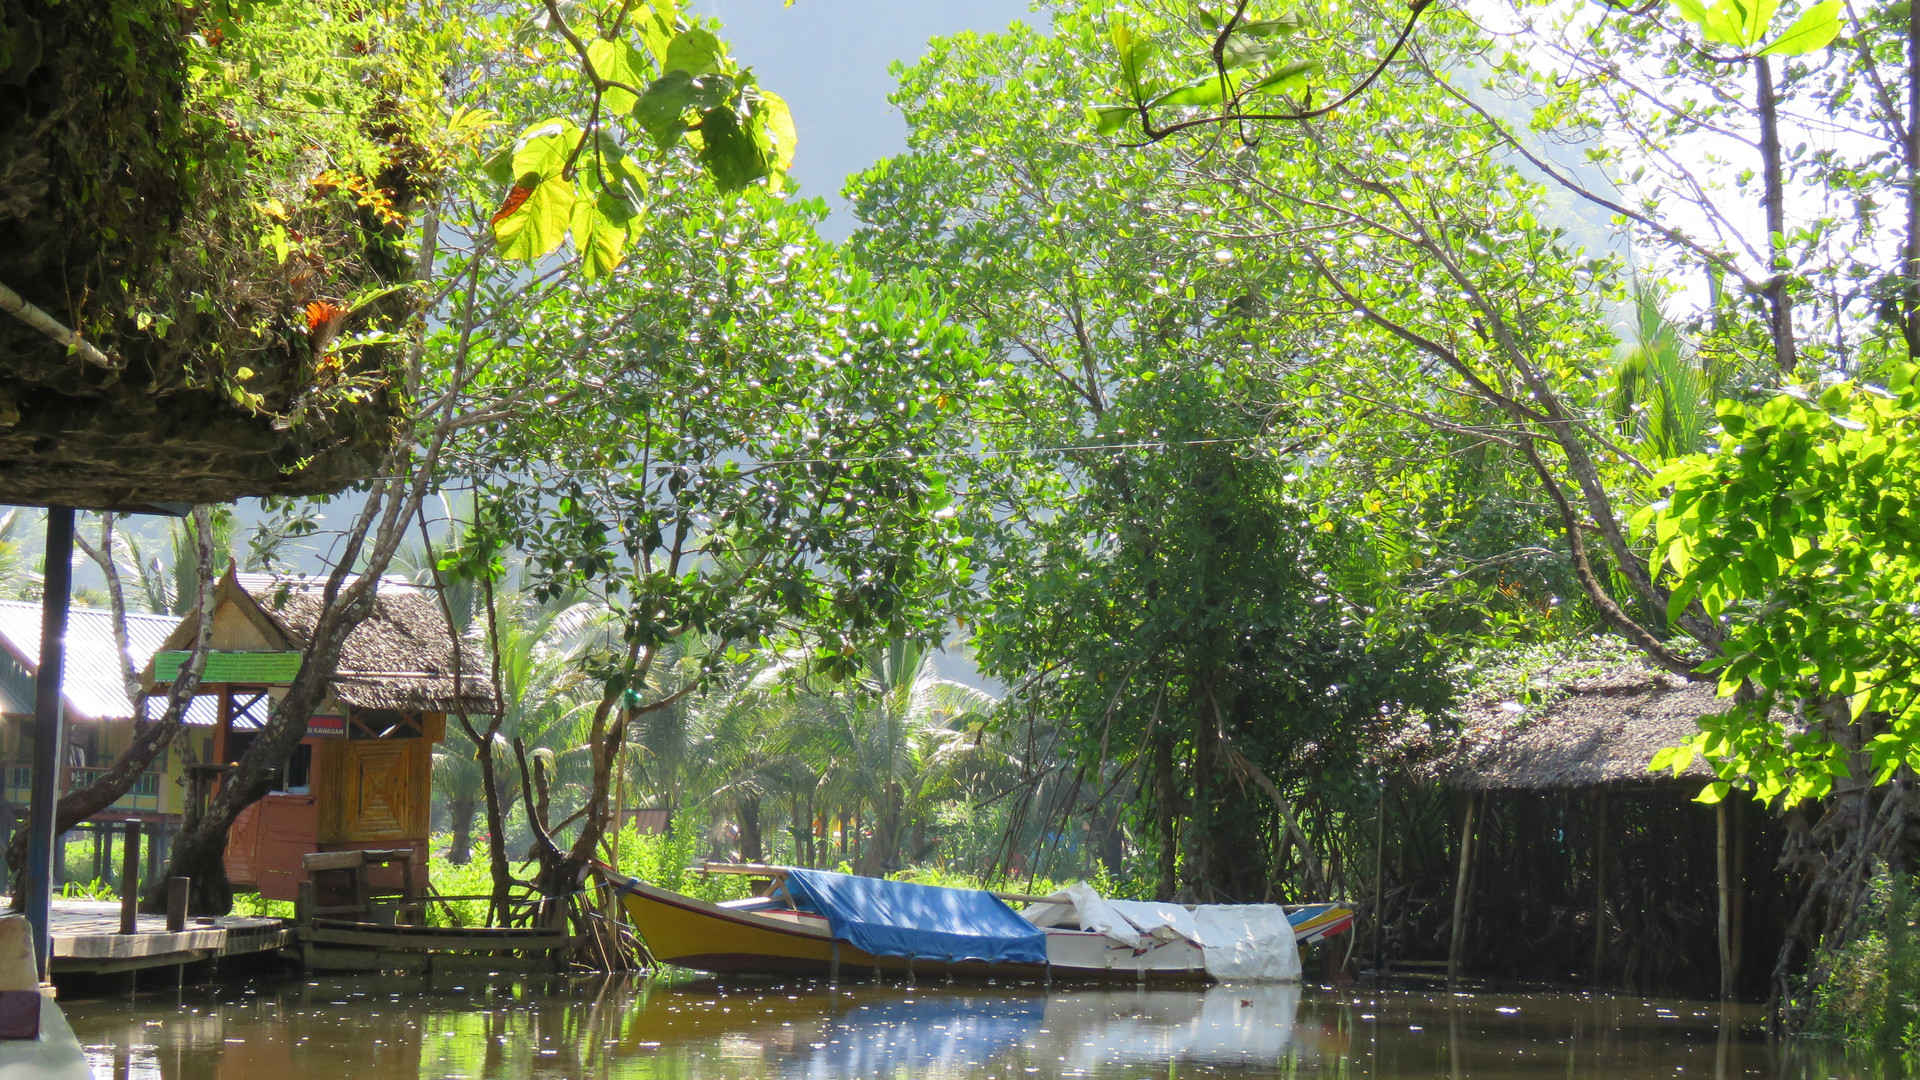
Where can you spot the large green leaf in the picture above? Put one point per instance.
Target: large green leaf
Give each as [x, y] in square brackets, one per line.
[1266, 28]
[662, 110]
[729, 151]
[543, 149]
[599, 228]
[1740, 23]
[1240, 52]
[607, 166]
[618, 61]
[1136, 51]
[773, 129]
[1814, 30]
[1285, 77]
[695, 51]
[1207, 90]
[1107, 119]
[540, 222]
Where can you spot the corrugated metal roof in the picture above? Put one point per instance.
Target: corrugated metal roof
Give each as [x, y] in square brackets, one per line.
[93, 686]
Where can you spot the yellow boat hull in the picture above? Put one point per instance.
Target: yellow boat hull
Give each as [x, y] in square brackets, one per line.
[685, 932]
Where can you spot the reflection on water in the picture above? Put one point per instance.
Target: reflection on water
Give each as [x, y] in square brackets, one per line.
[615, 1029]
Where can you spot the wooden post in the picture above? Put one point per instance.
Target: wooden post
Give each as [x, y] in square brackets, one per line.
[56, 590]
[1727, 902]
[130, 877]
[177, 889]
[1379, 880]
[619, 797]
[305, 899]
[1600, 890]
[1460, 888]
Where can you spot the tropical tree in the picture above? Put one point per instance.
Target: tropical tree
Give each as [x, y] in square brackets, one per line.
[1700, 115]
[1170, 572]
[890, 743]
[535, 647]
[752, 464]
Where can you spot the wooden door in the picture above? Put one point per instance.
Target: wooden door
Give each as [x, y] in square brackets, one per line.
[377, 792]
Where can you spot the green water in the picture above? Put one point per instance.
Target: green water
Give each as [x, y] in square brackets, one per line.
[386, 1029]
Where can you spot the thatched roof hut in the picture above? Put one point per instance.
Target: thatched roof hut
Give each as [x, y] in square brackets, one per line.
[362, 775]
[401, 657]
[1569, 856]
[1587, 727]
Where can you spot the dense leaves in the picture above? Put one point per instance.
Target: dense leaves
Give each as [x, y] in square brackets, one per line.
[1164, 581]
[1802, 530]
[645, 72]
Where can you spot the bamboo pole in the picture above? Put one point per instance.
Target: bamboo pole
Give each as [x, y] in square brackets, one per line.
[1460, 888]
[1600, 891]
[1727, 904]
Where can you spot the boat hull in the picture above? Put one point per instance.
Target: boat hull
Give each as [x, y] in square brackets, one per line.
[686, 932]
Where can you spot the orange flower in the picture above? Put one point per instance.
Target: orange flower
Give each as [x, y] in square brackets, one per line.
[321, 315]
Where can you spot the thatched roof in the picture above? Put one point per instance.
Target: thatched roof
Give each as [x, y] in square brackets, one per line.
[1583, 730]
[400, 657]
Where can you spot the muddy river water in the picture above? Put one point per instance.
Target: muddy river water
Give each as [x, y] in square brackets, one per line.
[633, 1029]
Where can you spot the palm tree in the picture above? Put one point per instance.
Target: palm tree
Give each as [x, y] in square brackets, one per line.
[895, 743]
[1662, 389]
[542, 692]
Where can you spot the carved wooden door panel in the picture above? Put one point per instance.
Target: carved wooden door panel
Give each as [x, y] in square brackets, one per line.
[381, 794]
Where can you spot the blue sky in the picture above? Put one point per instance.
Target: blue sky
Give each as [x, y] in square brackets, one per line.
[829, 58]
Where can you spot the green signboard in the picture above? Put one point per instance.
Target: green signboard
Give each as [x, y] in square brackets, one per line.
[234, 667]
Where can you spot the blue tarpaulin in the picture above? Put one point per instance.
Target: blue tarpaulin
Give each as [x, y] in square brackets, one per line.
[899, 918]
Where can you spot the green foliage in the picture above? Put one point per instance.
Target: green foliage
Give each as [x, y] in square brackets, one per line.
[1154, 54]
[97, 889]
[643, 72]
[1744, 24]
[750, 464]
[1166, 566]
[1802, 532]
[1871, 993]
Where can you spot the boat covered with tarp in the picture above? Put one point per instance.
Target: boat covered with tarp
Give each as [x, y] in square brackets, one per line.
[813, 922]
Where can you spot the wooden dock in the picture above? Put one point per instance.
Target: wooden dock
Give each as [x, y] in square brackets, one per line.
[87, 939]
[341, 946]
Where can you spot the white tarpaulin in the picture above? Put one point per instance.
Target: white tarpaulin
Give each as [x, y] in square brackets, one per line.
[1249, 942]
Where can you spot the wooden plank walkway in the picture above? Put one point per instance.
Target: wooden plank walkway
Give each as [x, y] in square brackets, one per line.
[87, 939]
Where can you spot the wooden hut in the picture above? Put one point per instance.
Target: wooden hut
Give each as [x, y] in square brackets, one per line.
[1572, 860]
[362, 776]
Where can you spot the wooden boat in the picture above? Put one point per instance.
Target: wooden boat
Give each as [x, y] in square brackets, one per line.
[785, 931]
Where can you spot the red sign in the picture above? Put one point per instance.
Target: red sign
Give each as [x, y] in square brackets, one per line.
[327, 727]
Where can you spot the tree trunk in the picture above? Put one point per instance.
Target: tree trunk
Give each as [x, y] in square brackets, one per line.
[150, 740]
[882, 853]
[1773, 178]
[1166, 813]
[461, 810]
[750, 846]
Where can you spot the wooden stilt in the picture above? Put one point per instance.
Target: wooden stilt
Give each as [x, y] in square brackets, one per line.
[1726, 901]
[1379, 881]
[1460, 888]
[1600, 890]
[1739, 880]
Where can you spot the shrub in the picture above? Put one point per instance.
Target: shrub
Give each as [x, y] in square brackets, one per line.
[1872, 993]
